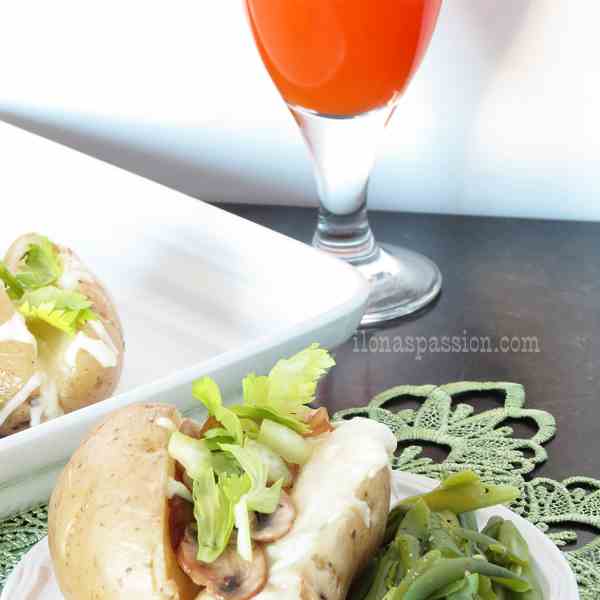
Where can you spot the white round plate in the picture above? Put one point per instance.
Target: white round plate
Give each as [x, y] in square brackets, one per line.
[33, 578]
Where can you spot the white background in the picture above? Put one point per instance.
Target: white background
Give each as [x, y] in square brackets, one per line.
[503, 117]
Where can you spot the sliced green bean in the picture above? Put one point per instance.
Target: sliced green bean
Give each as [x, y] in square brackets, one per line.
[535, 593]
[493, 527]
[468, 520]
[449, 518]
[417, 521]
[394, 519]
[469, 591]
[409, 551]
[453, 588]
[486, 590]
[497, 550]
[512, 540]
[501, 592]
[424, 564]
[442, 538]
[511, 537]
[386, 563]
[447, 570]
[464, 492]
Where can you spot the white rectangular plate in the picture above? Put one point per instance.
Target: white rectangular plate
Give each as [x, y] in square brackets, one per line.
[200, 291]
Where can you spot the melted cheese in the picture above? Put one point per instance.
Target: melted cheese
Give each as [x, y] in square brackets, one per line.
[15, 330]
[35, 414]
[324, 493]
[166, 423]
[74, 271]
[21, 396]
[48, 399]
[103, 335]
[99, 349]
[176, 488]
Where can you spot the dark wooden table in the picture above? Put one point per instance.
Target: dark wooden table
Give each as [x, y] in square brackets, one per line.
[533, 283]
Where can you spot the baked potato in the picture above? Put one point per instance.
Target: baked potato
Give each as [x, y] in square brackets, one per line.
[115, 527]
[61, 341]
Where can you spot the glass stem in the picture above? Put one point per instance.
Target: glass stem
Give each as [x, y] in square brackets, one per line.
[343, 151]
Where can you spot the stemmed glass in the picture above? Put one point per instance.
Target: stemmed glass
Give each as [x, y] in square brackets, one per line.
[341, 66]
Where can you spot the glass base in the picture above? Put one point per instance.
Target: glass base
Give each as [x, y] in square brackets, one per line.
[402, 282]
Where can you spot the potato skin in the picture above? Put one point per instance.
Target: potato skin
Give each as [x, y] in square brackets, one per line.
[345, 547]
[108, 525]
[17, 366]
[89, 382]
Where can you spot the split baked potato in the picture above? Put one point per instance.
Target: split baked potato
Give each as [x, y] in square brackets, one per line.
[61, 340]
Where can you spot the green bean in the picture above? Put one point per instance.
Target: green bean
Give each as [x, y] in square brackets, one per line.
[386, 563]
[441, 537]
[486, 591]
[493, 527]
[469, 585]
[469, 591]
[510, 537]
[464, 492]
[497, 550]
[512, 540]
[449, 518]
[426, 562]
[535, 593]
[394, 519]
[417, 521]
[501, 592]
[447, 570]
[468, 520]
[409, 551]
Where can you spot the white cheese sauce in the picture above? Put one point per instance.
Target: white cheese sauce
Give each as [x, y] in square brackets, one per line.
[48, 399]
[176, 488]
[325, 492]
[166, 423]
[21, 396]
[15, 330]
[73, 272]
[101, 351]
[35, 414]
[102, 334]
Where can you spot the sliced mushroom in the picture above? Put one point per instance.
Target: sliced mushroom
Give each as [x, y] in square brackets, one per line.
[181, 514]
[318, 421]
[229, 577]
[268, 528]
[191, 428]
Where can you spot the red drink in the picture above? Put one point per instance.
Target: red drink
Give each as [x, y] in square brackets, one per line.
[342, 57]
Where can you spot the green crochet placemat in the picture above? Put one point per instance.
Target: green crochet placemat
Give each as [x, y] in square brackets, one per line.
[476, 440]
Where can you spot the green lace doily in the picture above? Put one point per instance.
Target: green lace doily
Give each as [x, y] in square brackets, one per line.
[479, 441]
